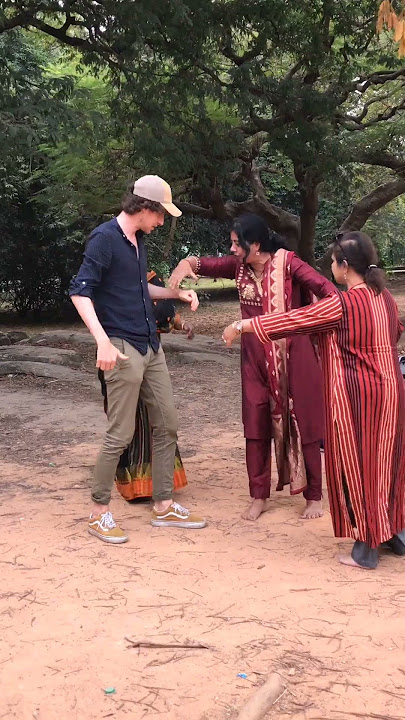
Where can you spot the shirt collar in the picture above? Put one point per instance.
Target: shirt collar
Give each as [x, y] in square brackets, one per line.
[139, 233]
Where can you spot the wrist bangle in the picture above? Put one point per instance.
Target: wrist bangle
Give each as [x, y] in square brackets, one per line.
[237, 325]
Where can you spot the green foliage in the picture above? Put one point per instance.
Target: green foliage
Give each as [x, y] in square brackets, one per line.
[94, 94]
[36, 256]
[32, 102]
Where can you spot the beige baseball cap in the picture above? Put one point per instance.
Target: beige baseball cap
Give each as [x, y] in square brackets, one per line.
[153, 187]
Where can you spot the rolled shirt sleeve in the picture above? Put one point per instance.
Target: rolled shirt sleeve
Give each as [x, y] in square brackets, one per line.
[97, 259]
[322, 316]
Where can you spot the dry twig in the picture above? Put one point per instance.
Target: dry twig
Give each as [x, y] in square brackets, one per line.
[148, 644]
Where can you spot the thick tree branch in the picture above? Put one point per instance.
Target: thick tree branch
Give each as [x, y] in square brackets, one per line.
[256, 91]
[363, 83]
[372, 202]
[19, 20]
[191, 209]
[60, 34]
[383, 159]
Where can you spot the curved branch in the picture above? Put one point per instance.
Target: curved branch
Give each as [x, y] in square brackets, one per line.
[60, 34]
[376, 99]
[372, 202]
[363, 83]
[382, 159]
[191, 209]
[353, 123]
[19, 20]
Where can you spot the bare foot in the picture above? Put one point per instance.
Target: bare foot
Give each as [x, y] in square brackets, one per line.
[348, 560]
[313, 510]
[255, 509]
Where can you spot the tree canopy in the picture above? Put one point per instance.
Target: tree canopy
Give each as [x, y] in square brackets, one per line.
[293, 110]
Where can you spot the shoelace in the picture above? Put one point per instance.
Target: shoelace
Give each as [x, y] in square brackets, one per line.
[107, 522]
[180, 509]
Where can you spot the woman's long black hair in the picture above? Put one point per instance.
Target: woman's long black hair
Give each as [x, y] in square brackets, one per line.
[251, 228]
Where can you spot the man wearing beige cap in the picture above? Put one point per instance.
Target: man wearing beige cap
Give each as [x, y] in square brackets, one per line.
[114, 300]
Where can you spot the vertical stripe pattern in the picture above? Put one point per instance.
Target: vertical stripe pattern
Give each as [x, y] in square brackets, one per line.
[365, 404]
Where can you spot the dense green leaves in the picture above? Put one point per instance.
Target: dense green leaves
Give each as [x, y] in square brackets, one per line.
[291, 109]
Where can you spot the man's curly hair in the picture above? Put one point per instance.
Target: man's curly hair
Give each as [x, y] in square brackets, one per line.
[132, 204]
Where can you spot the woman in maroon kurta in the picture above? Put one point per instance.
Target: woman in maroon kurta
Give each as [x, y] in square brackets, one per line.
[281, 382]
[364, 398]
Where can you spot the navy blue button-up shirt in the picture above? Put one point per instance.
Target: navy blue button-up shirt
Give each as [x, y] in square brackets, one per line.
[113, 275]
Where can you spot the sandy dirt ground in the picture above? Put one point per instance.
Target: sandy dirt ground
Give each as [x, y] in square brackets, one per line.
[259, 598]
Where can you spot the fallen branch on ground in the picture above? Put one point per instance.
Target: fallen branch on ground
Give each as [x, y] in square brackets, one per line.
[148, 644]
[261, 701]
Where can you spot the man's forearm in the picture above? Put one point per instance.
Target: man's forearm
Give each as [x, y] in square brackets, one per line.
[162, 293]
[85, 308]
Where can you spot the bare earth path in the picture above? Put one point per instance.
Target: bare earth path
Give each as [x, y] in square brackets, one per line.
[261, 597]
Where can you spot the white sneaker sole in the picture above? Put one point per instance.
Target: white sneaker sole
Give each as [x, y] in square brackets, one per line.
[112, 540]
[179, 523]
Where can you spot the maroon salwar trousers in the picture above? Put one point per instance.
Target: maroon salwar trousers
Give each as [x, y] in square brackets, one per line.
[258, 462]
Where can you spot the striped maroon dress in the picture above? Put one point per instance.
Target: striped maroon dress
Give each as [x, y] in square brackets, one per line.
[364, 406]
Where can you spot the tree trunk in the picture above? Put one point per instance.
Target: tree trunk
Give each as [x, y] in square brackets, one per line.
[309, 211]
[308, 187]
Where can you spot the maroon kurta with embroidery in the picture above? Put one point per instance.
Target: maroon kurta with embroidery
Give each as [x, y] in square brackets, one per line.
[304, 374]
